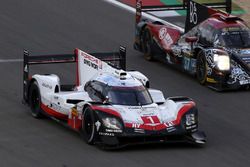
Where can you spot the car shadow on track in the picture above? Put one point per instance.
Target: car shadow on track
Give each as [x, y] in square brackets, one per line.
[156, 147]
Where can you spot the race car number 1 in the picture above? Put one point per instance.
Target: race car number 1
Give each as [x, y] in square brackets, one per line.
[193, 14]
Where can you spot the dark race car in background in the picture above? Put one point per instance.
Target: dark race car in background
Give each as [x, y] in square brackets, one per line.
[215, 46]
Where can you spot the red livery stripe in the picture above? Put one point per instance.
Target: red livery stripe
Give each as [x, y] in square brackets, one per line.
[107, 110]
[53, 113]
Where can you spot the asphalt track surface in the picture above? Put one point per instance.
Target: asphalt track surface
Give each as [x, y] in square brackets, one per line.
[52, 26]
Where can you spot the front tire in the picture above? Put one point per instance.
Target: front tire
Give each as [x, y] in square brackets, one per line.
[201, 68]
[88, 129]
[147, 45]
[35, 100]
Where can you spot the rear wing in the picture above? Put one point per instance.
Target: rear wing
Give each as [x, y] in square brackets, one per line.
[116, 60]
[195, 11]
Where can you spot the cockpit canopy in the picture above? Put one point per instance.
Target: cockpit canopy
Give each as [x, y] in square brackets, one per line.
[118, 95]
[133, 96]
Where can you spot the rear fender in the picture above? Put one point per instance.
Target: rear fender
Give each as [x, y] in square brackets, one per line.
[47, 85]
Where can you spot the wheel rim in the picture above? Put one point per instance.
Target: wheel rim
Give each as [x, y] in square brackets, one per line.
[88, 124]
[35, 101]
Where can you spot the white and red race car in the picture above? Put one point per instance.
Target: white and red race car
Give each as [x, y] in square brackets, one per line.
[108, 105]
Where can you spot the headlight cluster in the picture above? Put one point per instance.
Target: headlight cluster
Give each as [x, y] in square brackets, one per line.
[222, 62]
[190, 119]
[111, 123]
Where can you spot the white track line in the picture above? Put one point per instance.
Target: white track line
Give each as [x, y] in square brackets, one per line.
[10, 60]
[146, 15]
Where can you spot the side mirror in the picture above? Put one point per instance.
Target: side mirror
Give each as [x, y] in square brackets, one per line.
[157, 96]
[191, 39]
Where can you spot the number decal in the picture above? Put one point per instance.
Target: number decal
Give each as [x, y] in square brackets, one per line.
[193, 13]
[150, 119]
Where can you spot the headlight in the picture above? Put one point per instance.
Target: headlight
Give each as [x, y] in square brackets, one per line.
[111, 123]
[190, 119]
[222, 62]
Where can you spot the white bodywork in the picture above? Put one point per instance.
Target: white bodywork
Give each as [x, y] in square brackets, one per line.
[89, 68]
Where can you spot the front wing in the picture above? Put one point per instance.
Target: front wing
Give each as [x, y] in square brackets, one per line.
[133, 136]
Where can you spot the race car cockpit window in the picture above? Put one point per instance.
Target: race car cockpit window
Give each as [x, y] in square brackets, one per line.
[134, 96]
[96, 90]
[235, 38]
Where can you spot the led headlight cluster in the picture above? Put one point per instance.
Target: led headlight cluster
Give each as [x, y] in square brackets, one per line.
[222, 62]
[190, 119]
[111, 123]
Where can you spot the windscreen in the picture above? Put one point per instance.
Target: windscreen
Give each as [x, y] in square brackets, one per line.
[134, 96]
[236, 38]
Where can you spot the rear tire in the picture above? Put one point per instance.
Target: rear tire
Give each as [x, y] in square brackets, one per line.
[88, 129]
[201, 68]
[147, 45]
[35, 101]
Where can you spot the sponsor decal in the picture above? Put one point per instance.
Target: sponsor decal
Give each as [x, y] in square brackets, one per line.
[190, 119]
[171, 129]
[147, 114]
[137, 126]
[91, 64]
[46, 85]
[106, 134]
[139, 130]
[191, 127]
[211, 80]
[114, 130]
[74, 112]
[98, 125]
[245, 51]
[169, 124]
[162, 33]
[168, 39]
[92, 61]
